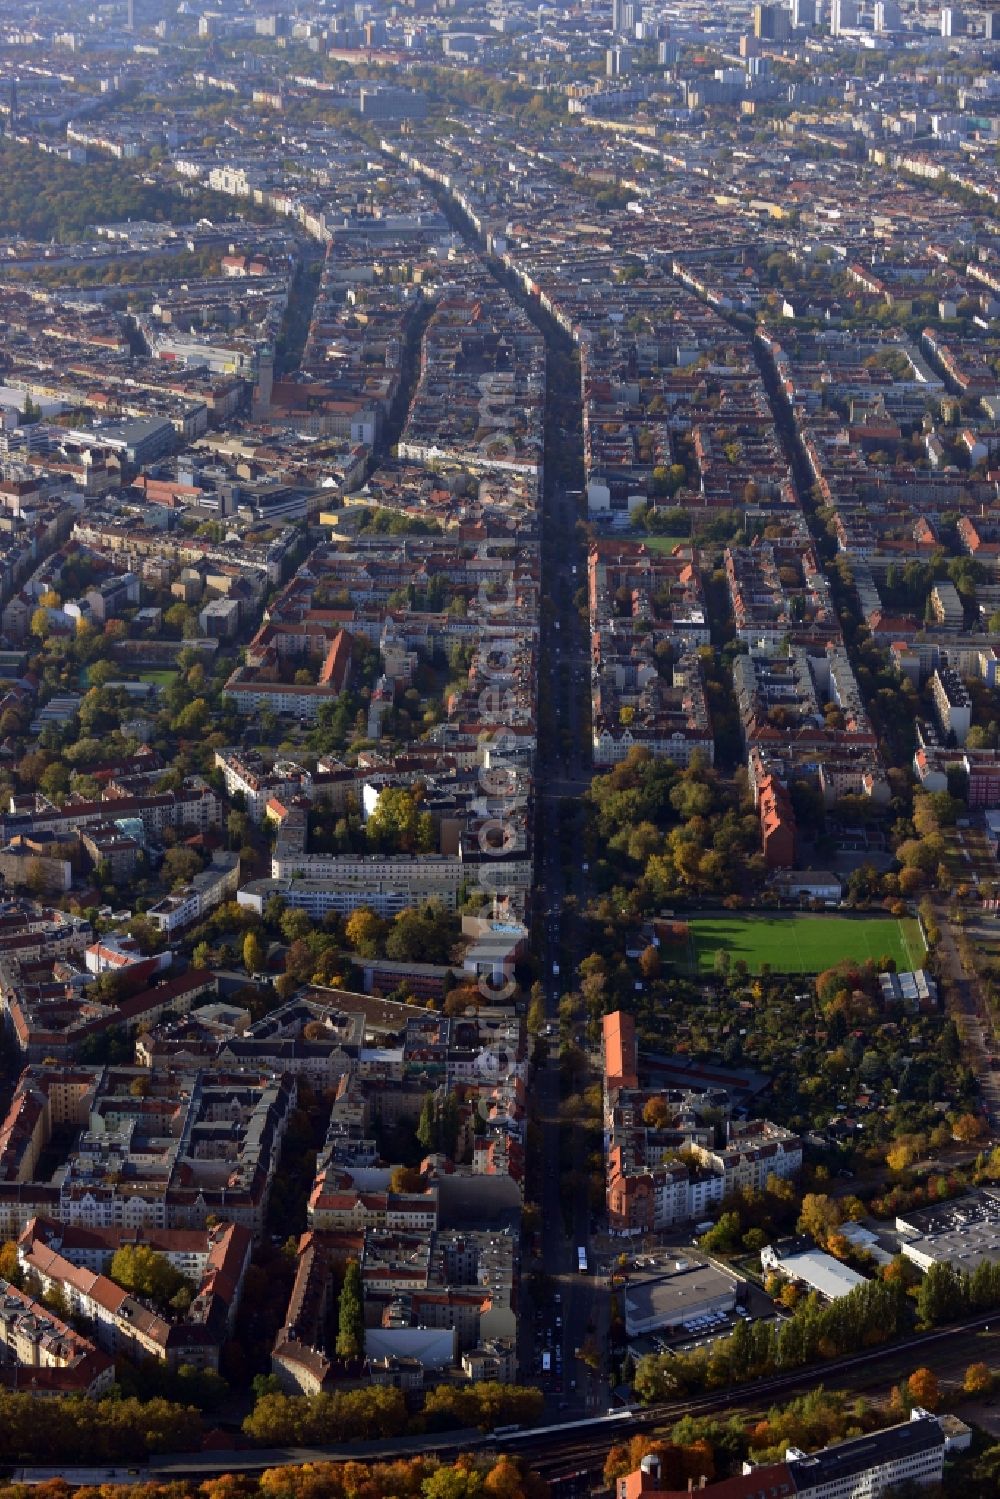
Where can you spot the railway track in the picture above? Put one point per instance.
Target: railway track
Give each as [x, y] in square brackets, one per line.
[555, 1451]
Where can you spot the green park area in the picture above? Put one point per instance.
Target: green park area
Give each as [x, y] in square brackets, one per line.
[802, 943]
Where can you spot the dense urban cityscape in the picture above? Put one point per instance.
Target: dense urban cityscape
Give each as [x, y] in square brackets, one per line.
[499, 749]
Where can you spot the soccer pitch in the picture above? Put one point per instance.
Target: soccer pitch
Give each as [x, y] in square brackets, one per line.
[803, 944]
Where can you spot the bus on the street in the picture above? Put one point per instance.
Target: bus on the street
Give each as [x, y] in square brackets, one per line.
[581, 1259]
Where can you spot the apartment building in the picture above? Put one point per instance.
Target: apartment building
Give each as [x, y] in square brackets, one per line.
[911, 1454]
[126, 1325]
[952, 704]
[41, 1352]
[208, 889]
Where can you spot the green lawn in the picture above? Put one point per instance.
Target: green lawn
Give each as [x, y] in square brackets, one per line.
[804, 944]
[161, 677]
[665, 543]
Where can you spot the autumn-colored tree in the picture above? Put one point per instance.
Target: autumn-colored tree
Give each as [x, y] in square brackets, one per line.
[300, 961]
[838, 1246]
[650, 964]
[406, 1179]
[820, 1216]
[10, 1270]
[978, 1379]
[228, 1486]
[656, 1113]
[364, 931]
[900, 1156]
[699, 1460]
[254, 953]
[504, 1480]
[922, 1388]
[968, 1129]
[202, 955]
[462, 998]
[40, 625]
[617, 1463]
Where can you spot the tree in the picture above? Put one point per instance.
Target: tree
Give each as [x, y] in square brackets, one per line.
[900, 1156]
[422, 936]
[180, 1301]
[274, 909]
[265, 1384]
[35, 878]
[101, 673]
[202, 955]
[10, 1269]
[180, 865]
[649, 962]
[940, 1295]
[406, 1179]
[724, 1237]
[396, 823]
[968, 1129]
[656, 1113]
[351, 1315]
[536, 1011]
[300, 961]
[254, 954]
[820, 1216]
[178, 617]
[978, 1380]
[437, 1127]
[452, 1483]
[922, 1388]
[285, 986]
[41, 625]
[364, 931]
[192, 719]
[54, 782]
[294, 923]
[237, 824]
[504, 1480]
[139, 1269]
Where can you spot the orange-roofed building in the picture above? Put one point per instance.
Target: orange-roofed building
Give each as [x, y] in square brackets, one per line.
[777, 824]
[770, 1481]
[621, 1057]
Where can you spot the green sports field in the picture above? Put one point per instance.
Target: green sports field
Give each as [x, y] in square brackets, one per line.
[803, 944]
[665, 544]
